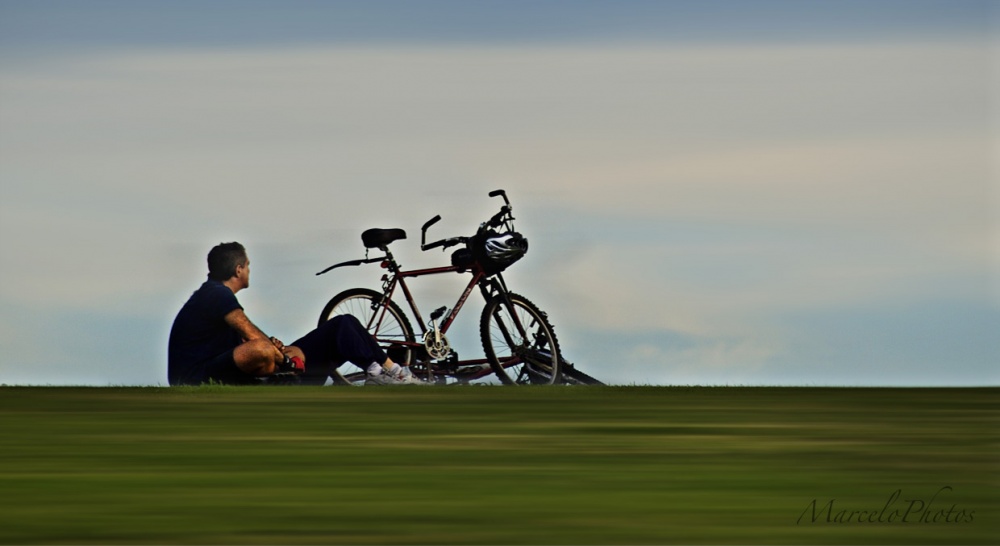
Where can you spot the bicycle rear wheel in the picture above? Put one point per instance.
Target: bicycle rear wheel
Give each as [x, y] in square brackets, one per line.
[519, 342]
[383, 319]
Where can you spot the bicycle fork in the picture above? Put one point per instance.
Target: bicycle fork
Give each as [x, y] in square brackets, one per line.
[496, 287]
[525, 343]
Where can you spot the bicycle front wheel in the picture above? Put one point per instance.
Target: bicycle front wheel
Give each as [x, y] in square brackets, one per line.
[382, 318]
[519, 342]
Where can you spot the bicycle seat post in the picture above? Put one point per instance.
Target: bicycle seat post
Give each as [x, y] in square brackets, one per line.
[390, 260]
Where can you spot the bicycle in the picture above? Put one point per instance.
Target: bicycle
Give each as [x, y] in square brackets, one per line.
[520, 344]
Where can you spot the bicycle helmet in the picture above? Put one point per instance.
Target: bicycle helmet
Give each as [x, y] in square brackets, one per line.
[497, 251]
[506, 248]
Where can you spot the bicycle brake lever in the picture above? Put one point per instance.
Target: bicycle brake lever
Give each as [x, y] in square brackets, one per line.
[498, 218]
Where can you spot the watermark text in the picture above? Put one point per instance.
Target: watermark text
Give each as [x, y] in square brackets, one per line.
[897, 509]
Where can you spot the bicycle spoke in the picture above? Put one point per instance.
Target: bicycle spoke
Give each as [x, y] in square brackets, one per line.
[385, 322]
[520, 340]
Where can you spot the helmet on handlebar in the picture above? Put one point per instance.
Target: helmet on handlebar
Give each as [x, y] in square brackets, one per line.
[498, 251]
[508, 247]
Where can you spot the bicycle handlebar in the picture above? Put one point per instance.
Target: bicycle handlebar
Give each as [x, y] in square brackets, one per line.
[501, 193]
[431, 222]
[496, 221]
[423, 234]
[446, 243]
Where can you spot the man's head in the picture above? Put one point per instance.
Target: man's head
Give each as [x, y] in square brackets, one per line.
[229, 260]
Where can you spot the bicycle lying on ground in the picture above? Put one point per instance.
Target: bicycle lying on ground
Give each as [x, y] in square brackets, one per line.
[520, 344]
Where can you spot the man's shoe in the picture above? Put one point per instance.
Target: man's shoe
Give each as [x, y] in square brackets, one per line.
[402, 376]
[406, 377]
[383, 379]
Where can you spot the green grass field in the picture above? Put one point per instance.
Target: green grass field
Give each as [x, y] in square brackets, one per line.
[489, 465]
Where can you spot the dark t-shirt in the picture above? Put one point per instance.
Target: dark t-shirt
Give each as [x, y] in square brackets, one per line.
[200, 333]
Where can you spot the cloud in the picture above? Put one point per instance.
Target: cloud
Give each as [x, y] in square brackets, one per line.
[693, 191]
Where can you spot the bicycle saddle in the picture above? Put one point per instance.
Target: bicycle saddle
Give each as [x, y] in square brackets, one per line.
[377, 238]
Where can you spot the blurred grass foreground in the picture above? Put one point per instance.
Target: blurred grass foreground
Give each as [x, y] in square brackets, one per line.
[487, 465]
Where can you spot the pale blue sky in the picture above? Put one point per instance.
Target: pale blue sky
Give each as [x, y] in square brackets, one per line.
[118, 23]
[785, 192]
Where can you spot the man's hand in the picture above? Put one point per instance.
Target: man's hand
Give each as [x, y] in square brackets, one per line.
[294, 363]
[278, 344]
[292, 351]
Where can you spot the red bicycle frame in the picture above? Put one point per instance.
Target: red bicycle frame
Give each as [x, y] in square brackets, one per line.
[398, 278]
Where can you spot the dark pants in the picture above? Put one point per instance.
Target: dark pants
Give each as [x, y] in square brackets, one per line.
[338, 340]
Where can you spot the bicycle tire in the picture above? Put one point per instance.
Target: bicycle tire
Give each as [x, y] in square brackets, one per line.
[522, 351]
[365, 305]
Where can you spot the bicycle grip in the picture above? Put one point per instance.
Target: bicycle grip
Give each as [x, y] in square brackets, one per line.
[431, 222]
[501, 193]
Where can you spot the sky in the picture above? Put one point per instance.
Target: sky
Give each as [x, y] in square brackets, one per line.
[715, 192]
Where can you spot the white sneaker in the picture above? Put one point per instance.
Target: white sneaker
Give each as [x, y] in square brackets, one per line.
[397, 376]
[383, 379]
[406, 377]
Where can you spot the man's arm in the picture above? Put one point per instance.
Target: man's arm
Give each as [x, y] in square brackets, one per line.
[237, 320]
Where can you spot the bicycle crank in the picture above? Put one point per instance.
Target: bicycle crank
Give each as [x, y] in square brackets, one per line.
[434, 341]
[437, 345]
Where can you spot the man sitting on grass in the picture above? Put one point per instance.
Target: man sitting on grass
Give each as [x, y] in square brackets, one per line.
[213, 340]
